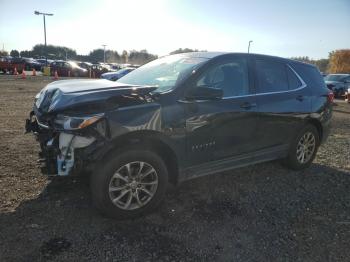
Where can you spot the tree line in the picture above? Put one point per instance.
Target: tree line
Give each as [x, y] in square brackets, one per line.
[338, 61]
[96, 55]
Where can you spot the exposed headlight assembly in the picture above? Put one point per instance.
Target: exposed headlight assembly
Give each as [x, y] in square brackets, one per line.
[75, 122]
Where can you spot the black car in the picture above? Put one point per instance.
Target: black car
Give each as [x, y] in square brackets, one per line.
[67, 68]
[177, 118]
[338, 83]
[31, 63]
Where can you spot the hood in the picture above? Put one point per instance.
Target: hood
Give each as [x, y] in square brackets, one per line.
[89, 96]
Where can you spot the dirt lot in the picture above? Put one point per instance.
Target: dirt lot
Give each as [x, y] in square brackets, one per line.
[260, 213]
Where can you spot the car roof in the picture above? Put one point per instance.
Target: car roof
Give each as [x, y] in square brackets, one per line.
[211, 55]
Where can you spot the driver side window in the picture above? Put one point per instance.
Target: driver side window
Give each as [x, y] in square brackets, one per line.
[231, 77]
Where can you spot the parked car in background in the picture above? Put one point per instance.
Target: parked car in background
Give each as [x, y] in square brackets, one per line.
[42, 61]
[338, 83]
[8, 64]
[177, 118]
[85, 65]
[113, 76]
[68, 68]
[114, 66]
[31, 63]
[97, 70]
[347, 95]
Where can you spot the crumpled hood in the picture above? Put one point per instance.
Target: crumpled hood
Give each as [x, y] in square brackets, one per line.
[68, 94]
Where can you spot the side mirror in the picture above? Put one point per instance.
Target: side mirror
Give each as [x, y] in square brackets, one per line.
[204, 93]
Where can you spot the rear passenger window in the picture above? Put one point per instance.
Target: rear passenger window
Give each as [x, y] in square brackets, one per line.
[293, 80]
[272, 76]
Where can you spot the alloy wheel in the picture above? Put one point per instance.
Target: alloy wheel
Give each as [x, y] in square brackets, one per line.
[306, 147]
[133, 185]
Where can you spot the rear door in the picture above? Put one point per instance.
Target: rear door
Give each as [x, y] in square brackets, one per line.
[283, 101]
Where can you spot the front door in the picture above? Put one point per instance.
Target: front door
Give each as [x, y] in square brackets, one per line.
[223, 127]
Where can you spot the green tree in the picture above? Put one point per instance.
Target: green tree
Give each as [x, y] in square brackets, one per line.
[14, 53]
[185, 50]
[140, 57]
[322, 65]
[53, 52]
[26, 53]
[96, 55]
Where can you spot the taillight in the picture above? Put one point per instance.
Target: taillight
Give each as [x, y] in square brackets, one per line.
[330, 97]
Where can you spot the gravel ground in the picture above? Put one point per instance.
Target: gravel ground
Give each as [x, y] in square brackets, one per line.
[260, 213]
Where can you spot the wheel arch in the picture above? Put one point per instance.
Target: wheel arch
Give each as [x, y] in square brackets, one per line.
[318, 126]
[150, 140]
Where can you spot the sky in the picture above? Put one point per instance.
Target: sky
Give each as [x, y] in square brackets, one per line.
[286, 28]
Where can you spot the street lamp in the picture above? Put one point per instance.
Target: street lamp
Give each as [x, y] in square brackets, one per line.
[44, 14]
[251, 41]
[104, 53]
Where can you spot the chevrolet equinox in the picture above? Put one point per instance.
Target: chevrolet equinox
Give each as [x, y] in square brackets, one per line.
[177, 118]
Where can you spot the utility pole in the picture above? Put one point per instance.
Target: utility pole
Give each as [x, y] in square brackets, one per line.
[251, 41]
[44, 14]
[104, 53]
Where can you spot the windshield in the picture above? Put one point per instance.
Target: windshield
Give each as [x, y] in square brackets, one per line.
[334, 77]
[164, 72]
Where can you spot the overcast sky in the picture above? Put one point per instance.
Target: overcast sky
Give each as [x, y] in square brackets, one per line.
[284, 28]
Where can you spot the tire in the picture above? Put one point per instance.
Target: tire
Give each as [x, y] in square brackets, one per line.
[105, 178]
[294, 159]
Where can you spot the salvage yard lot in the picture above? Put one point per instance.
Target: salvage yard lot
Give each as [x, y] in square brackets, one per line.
[259, 213]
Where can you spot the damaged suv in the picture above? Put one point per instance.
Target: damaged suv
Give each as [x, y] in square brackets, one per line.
[177, 118]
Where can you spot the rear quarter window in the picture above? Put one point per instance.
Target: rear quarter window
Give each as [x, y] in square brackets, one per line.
[311, 75]
[293, 80]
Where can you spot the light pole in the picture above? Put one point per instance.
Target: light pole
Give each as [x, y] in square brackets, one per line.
[251, 41]
[44, 14]
[104, 53]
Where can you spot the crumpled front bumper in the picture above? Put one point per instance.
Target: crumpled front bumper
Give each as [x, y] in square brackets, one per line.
[62, 153]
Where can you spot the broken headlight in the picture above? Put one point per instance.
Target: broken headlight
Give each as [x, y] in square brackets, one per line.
[75, 122]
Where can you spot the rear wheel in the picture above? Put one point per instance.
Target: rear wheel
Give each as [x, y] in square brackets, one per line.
[303, 149]
[129, 184]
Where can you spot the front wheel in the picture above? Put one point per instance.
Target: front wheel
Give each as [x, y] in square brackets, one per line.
[303, 149]
[129, 184]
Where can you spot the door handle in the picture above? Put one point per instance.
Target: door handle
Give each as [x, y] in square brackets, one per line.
[300, 98]
[247, 105]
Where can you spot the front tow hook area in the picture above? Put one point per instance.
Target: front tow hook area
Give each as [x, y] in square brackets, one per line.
[30, 125]
[47, 160]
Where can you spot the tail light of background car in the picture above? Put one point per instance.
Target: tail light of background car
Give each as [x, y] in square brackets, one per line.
[330, 97]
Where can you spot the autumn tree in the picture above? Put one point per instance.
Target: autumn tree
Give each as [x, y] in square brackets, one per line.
[339, 61]
[3, 53]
